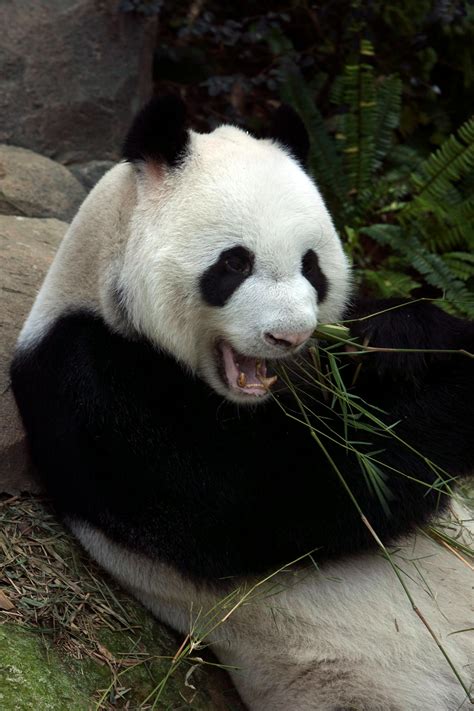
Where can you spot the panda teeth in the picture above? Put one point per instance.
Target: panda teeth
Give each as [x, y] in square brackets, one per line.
[268, 382]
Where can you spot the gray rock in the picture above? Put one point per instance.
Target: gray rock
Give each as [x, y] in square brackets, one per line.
[34, 186]
[27, 247]
[72, 74]
[91, 172]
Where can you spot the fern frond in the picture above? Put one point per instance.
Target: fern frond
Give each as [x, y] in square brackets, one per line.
[462, 234]
[387, 116]
[461, 219]
[434, 270]
[461, 264]
[433, 181]
[464, 211]
[391, 235]
[386, 282]
[437, 273]
[404, 156]
[434, 230]
[356, 127]
[324, 162]
[444, 226]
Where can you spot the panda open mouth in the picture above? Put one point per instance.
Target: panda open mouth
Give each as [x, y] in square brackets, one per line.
[244, 374]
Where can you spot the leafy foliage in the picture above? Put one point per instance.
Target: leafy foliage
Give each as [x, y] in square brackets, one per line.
[437, 271]
[419, 213]
[429, 43]
[356, 126]
[332, 179]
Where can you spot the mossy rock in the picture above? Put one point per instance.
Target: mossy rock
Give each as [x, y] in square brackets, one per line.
[32, 675]
[35, 675]
[72, 640]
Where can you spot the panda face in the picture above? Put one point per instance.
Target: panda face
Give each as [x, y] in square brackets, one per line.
[262, 314]
[232, 261]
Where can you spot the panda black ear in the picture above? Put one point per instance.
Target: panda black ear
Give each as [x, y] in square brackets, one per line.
[159, 132]
[288, 129]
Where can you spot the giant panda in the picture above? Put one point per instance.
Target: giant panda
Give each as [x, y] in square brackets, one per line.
[144, 377]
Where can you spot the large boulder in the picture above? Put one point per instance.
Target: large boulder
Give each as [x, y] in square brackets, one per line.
[72, 74]
[91, 172]
[27, 247]
[34, 186]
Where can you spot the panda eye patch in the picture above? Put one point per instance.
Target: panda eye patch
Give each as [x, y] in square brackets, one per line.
[228, 272]
[238, 263]
[313, 273]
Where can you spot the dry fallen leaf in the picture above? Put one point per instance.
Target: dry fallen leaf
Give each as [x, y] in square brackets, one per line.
[5, 603]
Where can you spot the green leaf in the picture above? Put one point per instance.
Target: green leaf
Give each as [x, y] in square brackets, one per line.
[387, 283]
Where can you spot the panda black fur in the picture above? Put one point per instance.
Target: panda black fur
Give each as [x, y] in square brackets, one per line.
[195, 253]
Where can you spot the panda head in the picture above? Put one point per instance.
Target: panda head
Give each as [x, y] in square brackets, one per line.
[232, 258]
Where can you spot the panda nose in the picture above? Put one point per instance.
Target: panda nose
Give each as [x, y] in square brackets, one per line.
[287, 340]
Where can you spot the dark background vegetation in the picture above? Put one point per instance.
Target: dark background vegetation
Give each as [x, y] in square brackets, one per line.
[381, 87]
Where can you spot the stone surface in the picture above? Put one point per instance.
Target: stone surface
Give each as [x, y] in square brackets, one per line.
[91, 172]
[72, 74]
[34, 186]
[37, 674]
[28, 677]
[27, 246]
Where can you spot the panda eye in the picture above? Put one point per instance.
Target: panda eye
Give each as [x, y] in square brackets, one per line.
[225, 276]
[238, 264]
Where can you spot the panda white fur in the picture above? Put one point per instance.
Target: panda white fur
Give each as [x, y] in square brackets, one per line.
[200, 258]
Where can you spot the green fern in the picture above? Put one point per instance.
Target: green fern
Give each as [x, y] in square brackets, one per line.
[441, 235]
[427, 205]
[465, 210]
[437, 273]
[387, 118]
[344, 167]
[324, 162]
[434, 270]
[404, 157]
[357, 125]
[442, 207]
[387, 282]
[461, 264]
[462, 217]
[434, 181]
[438, 231]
